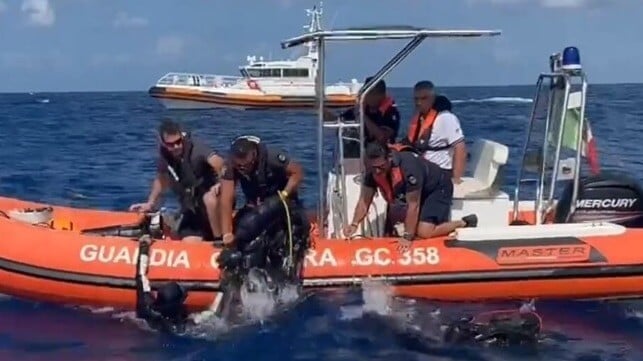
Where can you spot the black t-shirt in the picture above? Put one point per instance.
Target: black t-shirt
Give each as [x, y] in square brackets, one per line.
[418, 173]
[269, 176]
[197, 162]
[390, 118]
[191, 176]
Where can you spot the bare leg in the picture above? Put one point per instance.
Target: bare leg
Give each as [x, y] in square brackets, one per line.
[211, 202]
[429, 230]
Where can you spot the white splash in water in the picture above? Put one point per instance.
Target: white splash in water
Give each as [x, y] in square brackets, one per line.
[288, 294]
[207, 326]
[102, 310]
[257, 305]
[348, 313]
[378, 297]
[404, 315]
[528, 307]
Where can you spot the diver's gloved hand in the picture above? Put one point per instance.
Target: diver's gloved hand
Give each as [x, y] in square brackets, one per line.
[145, 309]
[229, 258]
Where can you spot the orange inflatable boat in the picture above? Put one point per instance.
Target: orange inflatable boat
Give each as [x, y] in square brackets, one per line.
[582, 240]
[67, 261]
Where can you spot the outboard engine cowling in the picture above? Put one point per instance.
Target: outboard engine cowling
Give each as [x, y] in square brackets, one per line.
[611, 197]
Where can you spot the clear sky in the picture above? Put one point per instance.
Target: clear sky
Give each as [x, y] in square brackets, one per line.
[63, 45]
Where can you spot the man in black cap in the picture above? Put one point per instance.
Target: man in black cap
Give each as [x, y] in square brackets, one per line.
[263, 172]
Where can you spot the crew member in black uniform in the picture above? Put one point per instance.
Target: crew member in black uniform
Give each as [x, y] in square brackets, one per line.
[271, 231]
[191, 169]
[402, 175]
[381, 117]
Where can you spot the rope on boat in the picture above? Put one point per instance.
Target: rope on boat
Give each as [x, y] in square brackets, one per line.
[290, 261]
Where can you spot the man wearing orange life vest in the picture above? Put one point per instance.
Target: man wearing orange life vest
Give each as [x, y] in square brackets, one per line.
[381, 117]
[405, 176]
[435, 131]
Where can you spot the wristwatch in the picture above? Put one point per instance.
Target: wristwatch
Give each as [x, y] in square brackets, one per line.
[407, 236]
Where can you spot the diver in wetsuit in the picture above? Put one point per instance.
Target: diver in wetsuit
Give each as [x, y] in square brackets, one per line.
[500, 328]
[271, 231]
[164, 311]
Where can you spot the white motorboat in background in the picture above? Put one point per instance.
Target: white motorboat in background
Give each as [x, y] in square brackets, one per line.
[263, 84]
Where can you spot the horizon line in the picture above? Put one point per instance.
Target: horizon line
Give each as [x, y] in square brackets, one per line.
[396, 86]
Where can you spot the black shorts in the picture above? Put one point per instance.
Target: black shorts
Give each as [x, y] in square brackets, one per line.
[436, 207]
[195, 225]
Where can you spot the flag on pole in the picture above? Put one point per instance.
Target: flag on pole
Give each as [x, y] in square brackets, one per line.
[589, 149]
[570, 132]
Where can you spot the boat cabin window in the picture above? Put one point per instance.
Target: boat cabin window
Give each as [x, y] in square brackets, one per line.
[264, 73]
[277, 73]
[296, 73]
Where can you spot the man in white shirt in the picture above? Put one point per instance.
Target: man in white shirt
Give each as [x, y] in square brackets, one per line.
[436, 132]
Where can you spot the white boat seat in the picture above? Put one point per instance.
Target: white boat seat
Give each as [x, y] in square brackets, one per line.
[539, 231]
[487, 158]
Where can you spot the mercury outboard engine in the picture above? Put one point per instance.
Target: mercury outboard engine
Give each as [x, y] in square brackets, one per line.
[611, 197]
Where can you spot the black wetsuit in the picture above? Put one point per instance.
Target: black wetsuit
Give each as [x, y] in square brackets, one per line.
[269, 176]
[261, 226]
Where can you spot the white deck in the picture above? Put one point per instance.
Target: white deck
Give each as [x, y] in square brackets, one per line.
[598, 229]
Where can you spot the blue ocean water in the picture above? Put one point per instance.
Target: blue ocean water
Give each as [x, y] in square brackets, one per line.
[98, 150]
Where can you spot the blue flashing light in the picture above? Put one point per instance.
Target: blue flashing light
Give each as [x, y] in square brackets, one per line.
[571, 58]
